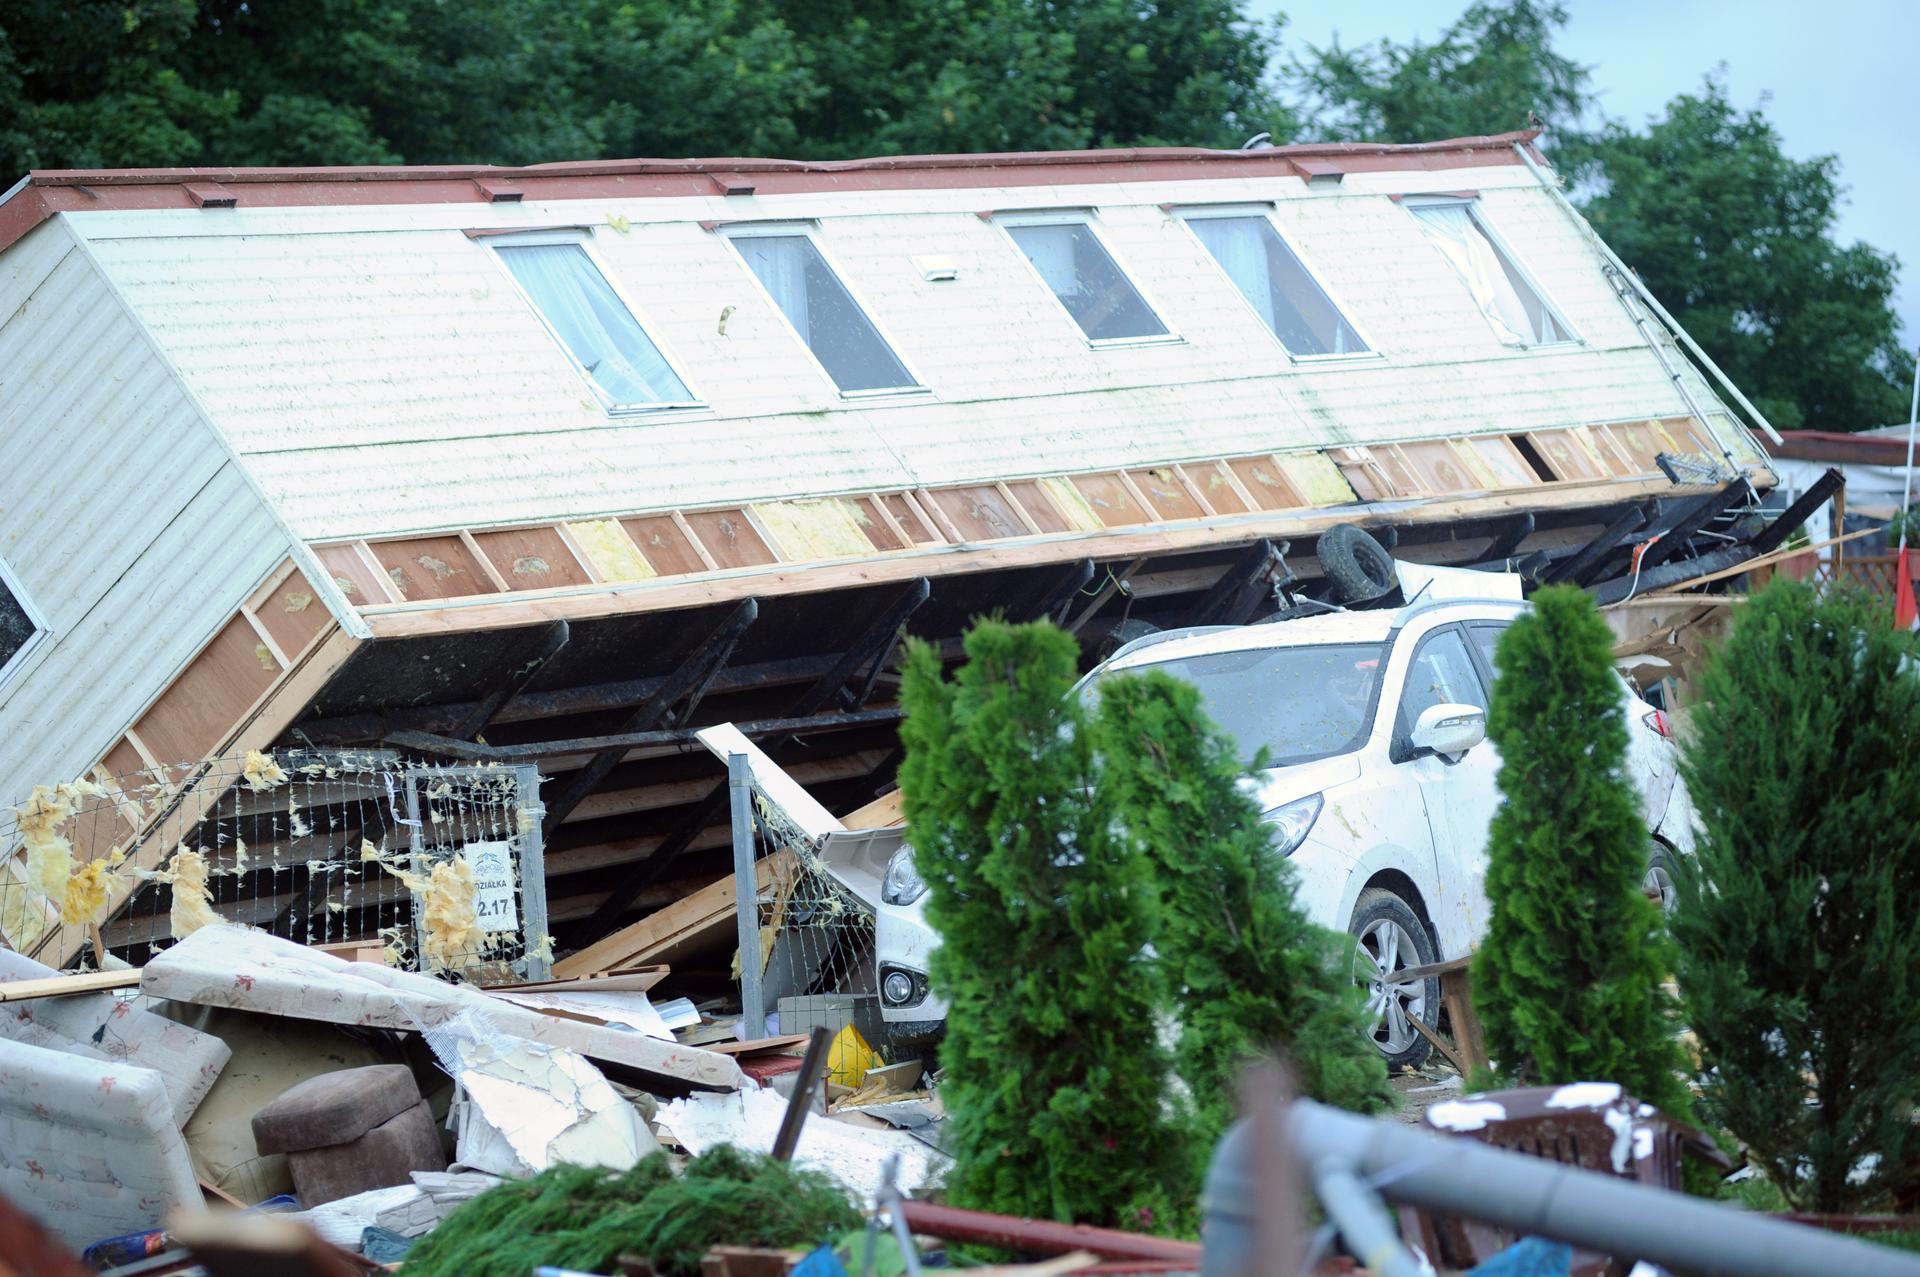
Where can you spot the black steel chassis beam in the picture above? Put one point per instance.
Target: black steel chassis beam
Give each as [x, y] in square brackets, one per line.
[484, 710]
[1703, 511]
[1585, 561]
[875, 645]
[681, 692]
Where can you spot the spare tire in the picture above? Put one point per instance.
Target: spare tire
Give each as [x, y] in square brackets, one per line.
[1355, 564]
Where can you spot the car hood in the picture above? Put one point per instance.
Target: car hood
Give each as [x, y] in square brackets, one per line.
[1280, 785]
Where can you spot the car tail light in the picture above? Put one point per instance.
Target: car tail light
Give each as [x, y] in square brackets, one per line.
[1657, 720]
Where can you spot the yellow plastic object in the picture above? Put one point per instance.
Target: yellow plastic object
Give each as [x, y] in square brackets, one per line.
[849, 1057]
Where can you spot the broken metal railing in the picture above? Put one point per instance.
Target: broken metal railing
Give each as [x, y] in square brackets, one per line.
[325, 848]
[806, 941]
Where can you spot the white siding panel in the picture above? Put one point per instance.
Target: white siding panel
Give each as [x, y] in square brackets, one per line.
[127, 522]
[102, 673]
[380, 375]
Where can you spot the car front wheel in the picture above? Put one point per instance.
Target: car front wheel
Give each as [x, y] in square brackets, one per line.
[1390, 939]
[1658, 884]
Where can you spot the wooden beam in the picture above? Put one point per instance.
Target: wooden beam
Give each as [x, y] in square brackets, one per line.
[66, 986]
[488, 612]
[660, 937]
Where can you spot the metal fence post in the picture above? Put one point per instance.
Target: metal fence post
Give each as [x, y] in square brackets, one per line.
[746, 898]
[533, 871]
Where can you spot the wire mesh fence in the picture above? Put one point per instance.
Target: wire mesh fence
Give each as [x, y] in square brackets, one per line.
[816, 935]
[440, 865]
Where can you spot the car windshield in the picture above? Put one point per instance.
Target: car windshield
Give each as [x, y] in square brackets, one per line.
[1297, 703]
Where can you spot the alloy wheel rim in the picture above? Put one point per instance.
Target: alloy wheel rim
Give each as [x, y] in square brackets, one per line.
[1385, 949]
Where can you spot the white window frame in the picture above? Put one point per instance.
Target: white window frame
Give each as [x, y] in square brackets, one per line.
[583, 240]
[29, 650]
[810, 230]
[1007, 222]
[1513, 259]
[1266, 212]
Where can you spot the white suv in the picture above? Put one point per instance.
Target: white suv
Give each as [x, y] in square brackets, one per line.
[1381, 789]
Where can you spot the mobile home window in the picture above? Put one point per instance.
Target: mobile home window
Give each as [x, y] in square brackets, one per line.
[796, 275]
[1519, 315]
[18, 624]
[1277, 285]
[595, 326]
[1080, 272]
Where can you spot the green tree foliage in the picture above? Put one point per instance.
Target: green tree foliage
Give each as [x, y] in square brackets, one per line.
[1250, 976]
[1055, 1074]
[1483, 75]
[1736, 239]
[1732, 235]
[166, 82]
[1568, 979]
[1795, 923]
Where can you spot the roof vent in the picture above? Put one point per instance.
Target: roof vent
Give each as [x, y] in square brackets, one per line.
[936, 268]
[209, 195]
[498, 192]
[1320, 172]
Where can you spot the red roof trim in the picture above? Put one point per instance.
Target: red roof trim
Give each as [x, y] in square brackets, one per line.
[1838, 446]
[49, 191]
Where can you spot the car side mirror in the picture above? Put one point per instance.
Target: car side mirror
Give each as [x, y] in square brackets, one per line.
[1448, 729]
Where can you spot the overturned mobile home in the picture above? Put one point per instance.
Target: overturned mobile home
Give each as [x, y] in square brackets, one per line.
[548, 467]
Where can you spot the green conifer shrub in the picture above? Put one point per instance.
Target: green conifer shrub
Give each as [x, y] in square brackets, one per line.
[1249, 975]
[1568, 978]
[1798, 957]
[1056, 1078]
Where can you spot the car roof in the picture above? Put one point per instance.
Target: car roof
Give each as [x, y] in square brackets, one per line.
[1372, 626]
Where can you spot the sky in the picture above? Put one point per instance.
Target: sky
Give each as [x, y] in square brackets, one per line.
[1840, 75]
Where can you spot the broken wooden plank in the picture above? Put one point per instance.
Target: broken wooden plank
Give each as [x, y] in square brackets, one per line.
[884, 812]
[63, 986]
[700, 917]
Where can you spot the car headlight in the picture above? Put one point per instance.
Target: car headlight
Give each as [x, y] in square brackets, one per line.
[903, 884]
[1293, 821]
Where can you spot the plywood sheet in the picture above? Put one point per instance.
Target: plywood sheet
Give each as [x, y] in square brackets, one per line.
[1566, 454]
[873, 526]
[1439, 466]
[531, 558]
[195, 714]
[1509, 468]
[1168, 496]
[1039, 506]
[1215, 485]
[351, 574]
[292, 613]
[978, 513]
[432, 568]
[903, 514]
[730, 538]
[1110, 501]
[1266, 483]
[665, 546]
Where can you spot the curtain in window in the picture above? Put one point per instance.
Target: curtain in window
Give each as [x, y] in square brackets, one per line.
[593, 324]
[1474, 258]
[780, 262]
[1235, 244]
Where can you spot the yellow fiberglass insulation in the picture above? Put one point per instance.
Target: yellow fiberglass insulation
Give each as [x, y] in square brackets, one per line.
[261, 771]
[23, 915]
[91, 889]
[192, 906]
[453, 929]
[49, 854]
[454, 935]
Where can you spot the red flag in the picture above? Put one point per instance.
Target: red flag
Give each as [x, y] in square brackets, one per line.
[1905, 612]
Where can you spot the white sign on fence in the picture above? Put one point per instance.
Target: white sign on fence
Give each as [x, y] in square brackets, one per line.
[492, 867]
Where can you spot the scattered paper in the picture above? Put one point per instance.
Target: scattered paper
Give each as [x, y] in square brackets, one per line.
[628, 1010]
